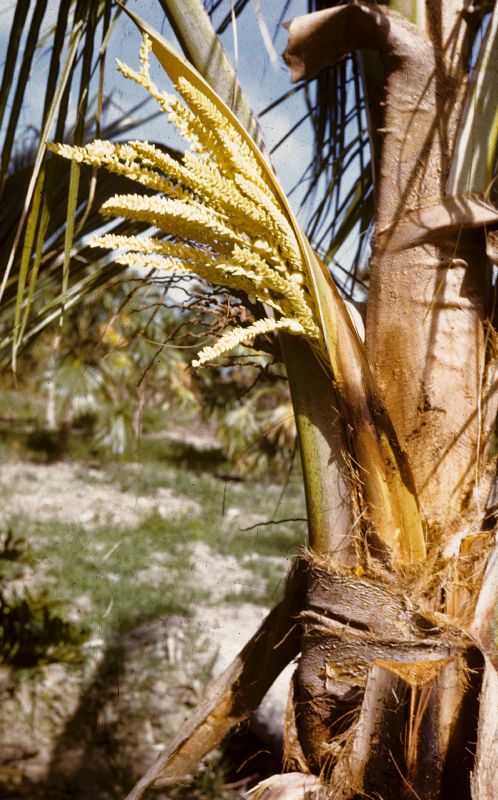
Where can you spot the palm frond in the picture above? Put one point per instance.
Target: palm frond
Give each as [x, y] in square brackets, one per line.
[40, 220]
[237, 8]
[476, 147]
[339, 174]
[23, 318]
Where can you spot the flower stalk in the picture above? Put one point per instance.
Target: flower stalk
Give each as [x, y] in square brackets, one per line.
[232, 225]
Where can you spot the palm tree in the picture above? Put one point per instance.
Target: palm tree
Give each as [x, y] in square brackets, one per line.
[391, 608]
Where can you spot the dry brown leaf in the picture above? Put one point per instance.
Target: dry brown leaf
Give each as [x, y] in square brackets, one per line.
[291, 786]
[446, 215]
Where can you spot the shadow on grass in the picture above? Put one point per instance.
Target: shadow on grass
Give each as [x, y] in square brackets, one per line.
[88, 760]
[96, 758]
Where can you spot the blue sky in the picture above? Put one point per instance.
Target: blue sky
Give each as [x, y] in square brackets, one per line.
[262, 79]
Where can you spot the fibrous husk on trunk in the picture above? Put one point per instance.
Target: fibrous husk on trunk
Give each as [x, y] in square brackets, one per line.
[415, 734]
[349, 625]
[385, 701]
[484, 779]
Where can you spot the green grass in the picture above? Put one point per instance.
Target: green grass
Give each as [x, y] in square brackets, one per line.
[20, 405]
[108, 575]
[217, 498]
[101, 565]
[268, 540]
[108, 566]
[273, 578]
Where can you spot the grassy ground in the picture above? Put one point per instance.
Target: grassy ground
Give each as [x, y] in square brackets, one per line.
[186, 556]
[111, 566]
[102, 562]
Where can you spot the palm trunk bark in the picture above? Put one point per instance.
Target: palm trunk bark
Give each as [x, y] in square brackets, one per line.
[431, 358]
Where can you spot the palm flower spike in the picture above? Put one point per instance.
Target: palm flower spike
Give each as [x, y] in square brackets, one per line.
[227, 224]
[229, 228]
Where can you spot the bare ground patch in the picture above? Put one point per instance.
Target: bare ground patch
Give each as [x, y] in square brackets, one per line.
[58, 491]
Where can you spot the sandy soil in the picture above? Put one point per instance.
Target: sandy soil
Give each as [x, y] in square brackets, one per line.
[84, 731]
[57, 491]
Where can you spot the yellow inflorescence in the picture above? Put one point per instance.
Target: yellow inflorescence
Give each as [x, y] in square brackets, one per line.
[245, 335]
[228, 226]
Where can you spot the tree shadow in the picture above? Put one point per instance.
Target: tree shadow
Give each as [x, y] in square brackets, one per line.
[101, 752]
[88, 760]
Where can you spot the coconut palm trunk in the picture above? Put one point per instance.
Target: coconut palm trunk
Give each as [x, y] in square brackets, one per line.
[430, 345]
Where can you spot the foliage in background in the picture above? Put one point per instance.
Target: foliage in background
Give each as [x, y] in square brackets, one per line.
[107, 366]
[31, 632]
[253, 412]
